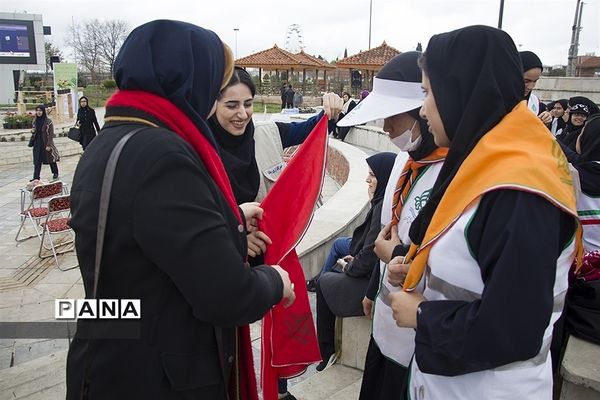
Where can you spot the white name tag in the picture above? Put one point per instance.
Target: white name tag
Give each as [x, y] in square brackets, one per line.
[272, 173]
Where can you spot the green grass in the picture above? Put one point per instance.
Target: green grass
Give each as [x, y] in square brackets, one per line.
[97, 95]
[259, 107]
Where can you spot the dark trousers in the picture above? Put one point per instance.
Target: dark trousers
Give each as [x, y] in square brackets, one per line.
[382, 379]
[343, 131]
[325, 326]
[87, 138]
[37, 168]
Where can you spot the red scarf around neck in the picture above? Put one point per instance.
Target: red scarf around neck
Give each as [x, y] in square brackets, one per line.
[175, 120]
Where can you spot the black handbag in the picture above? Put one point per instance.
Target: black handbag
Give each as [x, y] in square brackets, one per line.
[583, 310]
[74, 134]
[31, 140]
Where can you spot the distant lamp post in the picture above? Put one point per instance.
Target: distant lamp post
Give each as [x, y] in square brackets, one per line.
[236, 30]
[500, 14]
[370, 15]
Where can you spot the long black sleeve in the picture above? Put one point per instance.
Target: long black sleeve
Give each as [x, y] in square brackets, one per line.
[366, 260]
[516, 238]
[95, 121]
[571, 155]
[177, 223]
[294, 133]
[373, 287]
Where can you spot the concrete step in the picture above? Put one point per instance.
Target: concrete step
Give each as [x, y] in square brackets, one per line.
[337, 382]
[42, 378]
[18, 152]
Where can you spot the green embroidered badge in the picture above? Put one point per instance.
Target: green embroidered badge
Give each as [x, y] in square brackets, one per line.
[421, 200]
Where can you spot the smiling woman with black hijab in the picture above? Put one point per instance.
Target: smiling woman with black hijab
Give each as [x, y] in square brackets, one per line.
[175, 237]
[495, 240]
[87, 122]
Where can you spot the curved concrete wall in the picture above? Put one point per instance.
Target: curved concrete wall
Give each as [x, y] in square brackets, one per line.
[341, 213]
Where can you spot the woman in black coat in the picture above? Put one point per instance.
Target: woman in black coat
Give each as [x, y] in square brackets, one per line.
[175, 238]
[341, 294]
[86, 122]
[44, 149]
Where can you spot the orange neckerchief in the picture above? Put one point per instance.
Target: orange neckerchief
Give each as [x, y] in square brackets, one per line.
[408, 176]
[520, 154]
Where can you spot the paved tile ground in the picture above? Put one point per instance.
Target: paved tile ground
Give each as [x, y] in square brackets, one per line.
[28, 285]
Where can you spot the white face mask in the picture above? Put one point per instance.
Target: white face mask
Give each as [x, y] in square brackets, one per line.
[404, 142]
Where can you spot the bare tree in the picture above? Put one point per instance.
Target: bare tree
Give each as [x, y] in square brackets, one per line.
[85, 39]
[114, 33]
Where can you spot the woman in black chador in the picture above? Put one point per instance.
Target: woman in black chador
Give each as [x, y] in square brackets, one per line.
[86, 122]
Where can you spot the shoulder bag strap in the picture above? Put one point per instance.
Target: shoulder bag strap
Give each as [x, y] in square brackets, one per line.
[109, 175]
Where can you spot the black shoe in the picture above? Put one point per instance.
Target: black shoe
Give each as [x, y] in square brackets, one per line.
[288, 396]
[311, 285]
[55, 176]
[327, 362]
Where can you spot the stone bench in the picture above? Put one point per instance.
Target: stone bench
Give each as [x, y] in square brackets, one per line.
[581, 371]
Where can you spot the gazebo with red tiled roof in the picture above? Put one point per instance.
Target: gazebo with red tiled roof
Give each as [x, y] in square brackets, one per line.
[277, 59]
[370, 61]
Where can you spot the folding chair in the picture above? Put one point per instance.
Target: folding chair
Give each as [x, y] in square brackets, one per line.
[36, 210]
[57, 223]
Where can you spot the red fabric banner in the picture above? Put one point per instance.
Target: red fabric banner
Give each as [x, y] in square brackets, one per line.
[289, 339]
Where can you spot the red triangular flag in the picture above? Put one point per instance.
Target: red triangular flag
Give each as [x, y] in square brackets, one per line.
[289, 339]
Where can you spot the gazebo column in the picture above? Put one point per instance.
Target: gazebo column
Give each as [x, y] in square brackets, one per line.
[303, 80]
[260, 80]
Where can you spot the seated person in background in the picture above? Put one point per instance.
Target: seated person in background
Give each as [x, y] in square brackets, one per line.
[559, 119]
[349, 104]
[578, 113]
[341, 293]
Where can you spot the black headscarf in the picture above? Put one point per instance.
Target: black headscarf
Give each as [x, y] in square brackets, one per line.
[84, 114]
[239, 159]
[530, 60]
[39, 121]
[592, 107]
[563, 102]
[238, 152]
[589, 141]
[476, 77]
[381, 164]
[570, 133]
[404, 68]
[181, 62]
[588, 163]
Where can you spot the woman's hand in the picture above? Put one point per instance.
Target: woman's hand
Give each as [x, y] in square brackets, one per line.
[545, 117]
[257, 243]
[367, 304]
[385, 243]
[404, 308]
[397, 271]
[48, 148]
[288, 287]
[332, 105]
[252, 213]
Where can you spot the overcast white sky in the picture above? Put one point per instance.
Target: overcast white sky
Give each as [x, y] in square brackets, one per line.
[328, 27]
